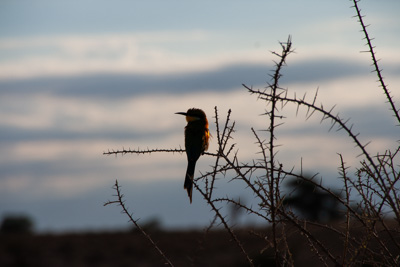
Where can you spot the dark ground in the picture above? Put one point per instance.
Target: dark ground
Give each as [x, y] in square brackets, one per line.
[125, 249]
[190, 248]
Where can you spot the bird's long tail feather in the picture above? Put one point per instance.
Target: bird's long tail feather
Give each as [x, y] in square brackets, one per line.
[188, 185]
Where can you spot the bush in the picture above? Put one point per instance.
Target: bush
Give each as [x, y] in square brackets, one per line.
[16, 225]
[363, 236]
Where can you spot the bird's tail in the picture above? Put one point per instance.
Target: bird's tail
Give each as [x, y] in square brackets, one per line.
[188, 185]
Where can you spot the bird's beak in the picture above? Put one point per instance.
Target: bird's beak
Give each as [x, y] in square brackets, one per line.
[181, 113]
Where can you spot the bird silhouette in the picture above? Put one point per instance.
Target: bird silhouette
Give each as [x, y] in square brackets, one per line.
[197, 136]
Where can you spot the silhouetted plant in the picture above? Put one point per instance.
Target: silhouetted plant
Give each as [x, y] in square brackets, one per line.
[312, 203]
[16, 225]
[364, 236]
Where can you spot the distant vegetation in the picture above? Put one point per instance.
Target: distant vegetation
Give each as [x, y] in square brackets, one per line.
[16, 224]
[329, 225]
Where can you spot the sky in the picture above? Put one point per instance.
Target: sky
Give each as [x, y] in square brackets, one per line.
[78, 78]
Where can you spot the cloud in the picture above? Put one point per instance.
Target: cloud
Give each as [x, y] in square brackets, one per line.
[160, 53]
[142, 53]
[111, 85]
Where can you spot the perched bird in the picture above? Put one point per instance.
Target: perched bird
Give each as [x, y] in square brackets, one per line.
[196, 142]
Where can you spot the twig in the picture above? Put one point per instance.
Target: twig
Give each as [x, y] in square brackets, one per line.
[120, 202]
[378, 71]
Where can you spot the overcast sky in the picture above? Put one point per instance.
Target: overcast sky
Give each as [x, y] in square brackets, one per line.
[80, 77]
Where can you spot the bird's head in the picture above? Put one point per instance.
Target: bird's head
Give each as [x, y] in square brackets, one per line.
[194, 114]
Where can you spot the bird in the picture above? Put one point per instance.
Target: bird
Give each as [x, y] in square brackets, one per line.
[197, 138]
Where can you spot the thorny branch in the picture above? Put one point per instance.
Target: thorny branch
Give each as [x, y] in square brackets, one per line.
[121, 202]
[371, 50]
[124, 151]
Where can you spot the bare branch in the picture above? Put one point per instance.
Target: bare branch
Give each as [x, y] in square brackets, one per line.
[121, 202]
